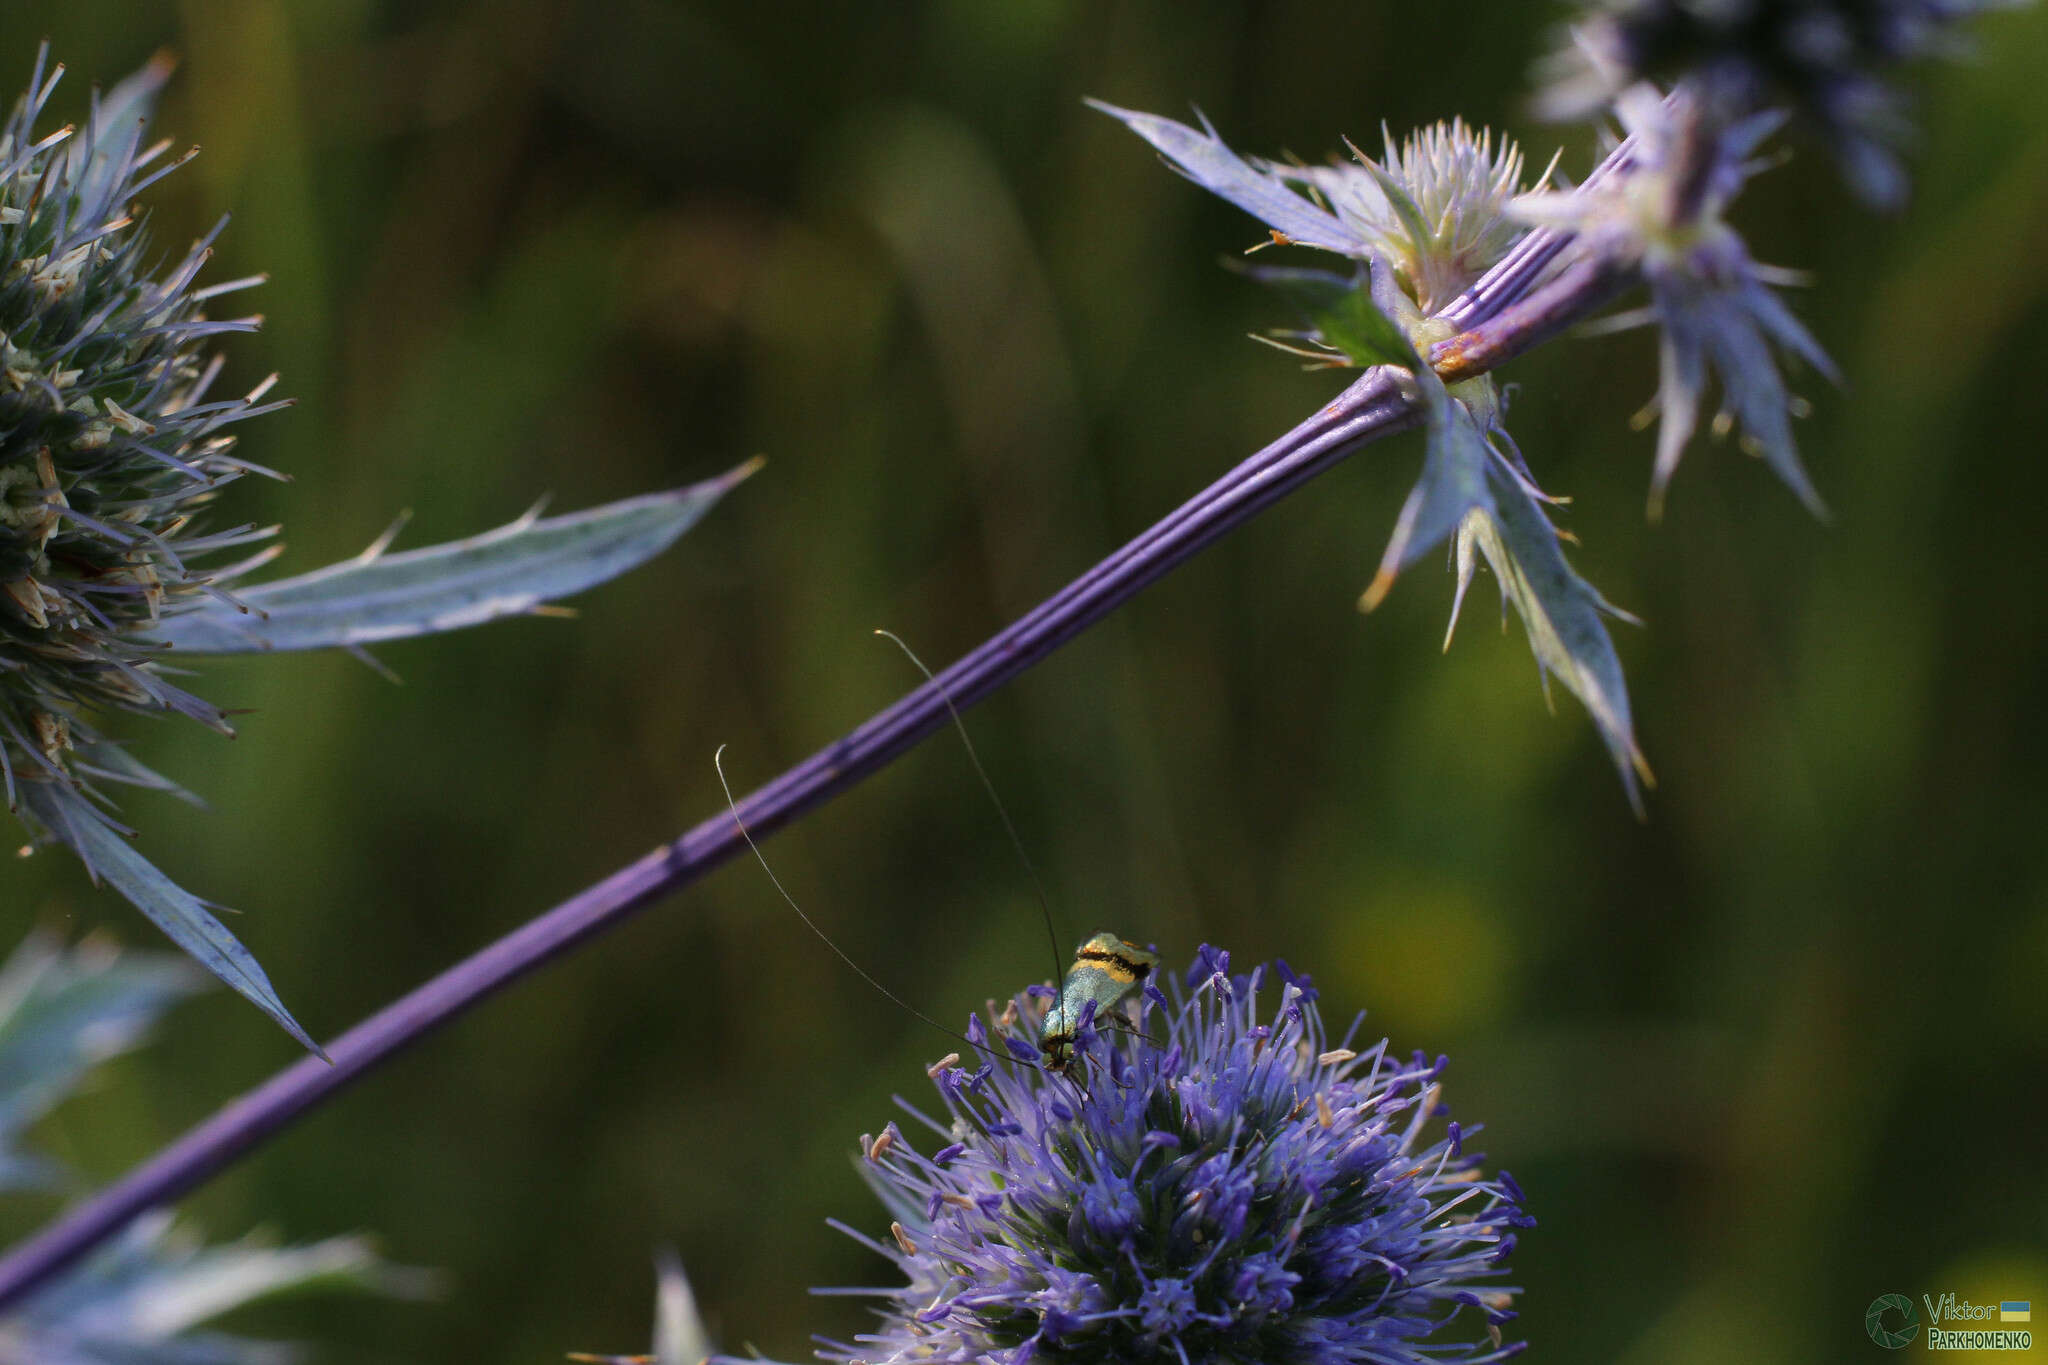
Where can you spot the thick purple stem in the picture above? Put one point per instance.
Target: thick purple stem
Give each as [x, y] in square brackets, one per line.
[1373, 407]
[1531, 320]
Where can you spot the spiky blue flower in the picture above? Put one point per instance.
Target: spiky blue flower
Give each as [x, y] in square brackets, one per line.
[113, 454]
[112, 448]
[1825, 59]
[1237, 1190]
[1714, 304]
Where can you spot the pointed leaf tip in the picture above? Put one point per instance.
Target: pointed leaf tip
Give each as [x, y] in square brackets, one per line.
[1563, 616]
[396, 595]
[1202, 157]
[73, 820]
[741, 472]
[1456, 472]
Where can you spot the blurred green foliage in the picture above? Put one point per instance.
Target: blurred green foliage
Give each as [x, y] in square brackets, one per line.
[1775, 1052]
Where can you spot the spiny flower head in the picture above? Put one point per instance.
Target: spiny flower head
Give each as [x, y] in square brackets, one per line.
[1714, 304]
[112, 451]
[1824, 59]
[1241, 1190]
[1456, 192]
[1435, 206]
[110, 447]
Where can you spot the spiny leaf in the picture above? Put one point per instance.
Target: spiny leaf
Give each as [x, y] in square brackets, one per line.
[1455, 480]
[110, 761]
[1753, 388]
[62, 1012]
[74, 821]
[1341, 310]
[506, 572]
[138, 1299]
[680, 1337]
[1561, 612]
[92, 167]
[1202, 157]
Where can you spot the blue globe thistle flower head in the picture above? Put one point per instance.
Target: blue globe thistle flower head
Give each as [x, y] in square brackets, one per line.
[1239, 1190]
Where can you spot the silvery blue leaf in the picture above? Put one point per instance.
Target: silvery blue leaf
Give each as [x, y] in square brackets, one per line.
[62, 1012]
[1752, 387]
[74, 821]
[680, 1337]
[1455, 480]
[102, 157]
[111, 762]
[139, 1298]
[1561, 612]
[506, 572]
[1201, 156]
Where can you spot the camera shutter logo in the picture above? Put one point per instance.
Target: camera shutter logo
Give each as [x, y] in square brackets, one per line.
[1873, 1321]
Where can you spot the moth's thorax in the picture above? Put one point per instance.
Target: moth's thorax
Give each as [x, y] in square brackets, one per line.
[1107, 970]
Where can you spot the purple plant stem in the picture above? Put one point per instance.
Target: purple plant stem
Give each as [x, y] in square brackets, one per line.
[1372, 407]
[1530, 320]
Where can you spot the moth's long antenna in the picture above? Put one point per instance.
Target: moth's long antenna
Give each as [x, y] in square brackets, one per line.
[718, 762]
[1059, 971]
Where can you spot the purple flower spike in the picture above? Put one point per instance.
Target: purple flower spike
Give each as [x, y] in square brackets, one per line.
[1237, 1189]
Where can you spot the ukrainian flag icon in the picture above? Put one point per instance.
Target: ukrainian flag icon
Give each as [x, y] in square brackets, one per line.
[2016, 1310]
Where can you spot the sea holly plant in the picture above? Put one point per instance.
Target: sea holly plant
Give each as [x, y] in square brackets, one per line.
[1424, 221]
[1451, 264]
[141, 1299]
[64, 1011]
[146, 1298]
[114, 454]
[1421, 224]
[1241, 1188]
[1220, 1182]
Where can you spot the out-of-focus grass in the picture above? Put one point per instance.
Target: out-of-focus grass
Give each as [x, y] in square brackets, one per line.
[1768, 1056]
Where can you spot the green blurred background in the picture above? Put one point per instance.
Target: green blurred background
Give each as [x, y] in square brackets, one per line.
[1772, 1053]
